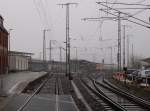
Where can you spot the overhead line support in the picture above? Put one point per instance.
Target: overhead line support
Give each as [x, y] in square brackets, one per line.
[68, 63]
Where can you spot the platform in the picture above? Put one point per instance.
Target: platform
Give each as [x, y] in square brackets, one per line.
[41, 103]
[15, 82]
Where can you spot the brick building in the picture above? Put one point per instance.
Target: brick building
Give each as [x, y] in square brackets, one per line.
[3, 48]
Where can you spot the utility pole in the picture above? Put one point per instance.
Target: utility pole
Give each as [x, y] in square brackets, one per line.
[60, 58]
[132, 57]
[40, 55]
[50, 54]
[8, 63]
[68, 68]
[119, 42]
[119, 34]
[124, 36]
[50, 50]
[44, 44]
[9, 38]
[76, 63]
[111, 57]
[128, 50]
[124, 46]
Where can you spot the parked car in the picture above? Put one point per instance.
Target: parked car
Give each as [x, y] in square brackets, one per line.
[133, 75]
[144, 73]
[129, 73]
[143, 76]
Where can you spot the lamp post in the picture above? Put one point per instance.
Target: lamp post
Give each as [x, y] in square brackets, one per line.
[9, 38]
[9, 49]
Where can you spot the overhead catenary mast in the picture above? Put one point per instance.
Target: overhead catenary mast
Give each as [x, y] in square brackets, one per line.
[125, 45]
[68, 67]
[119, 18]
[119, 42]
[44, 44]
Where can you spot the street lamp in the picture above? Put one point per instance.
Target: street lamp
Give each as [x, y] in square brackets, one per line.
[9, 38]
[9, 49]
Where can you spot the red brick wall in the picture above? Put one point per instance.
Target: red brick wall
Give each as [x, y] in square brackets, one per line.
[3, 52]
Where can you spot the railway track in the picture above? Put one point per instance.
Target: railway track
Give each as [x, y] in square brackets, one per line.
[58, 86]
[54, 84]
[108, 104]
[122, 101]
[51, 85]
[99, 95]
[127, 101]
[88, 94]
[113, 98]
[28, 99]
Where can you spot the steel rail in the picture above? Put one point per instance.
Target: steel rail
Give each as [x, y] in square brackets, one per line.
[56, 86]
[137, 100]
[101, 95]
[60, 87]
[35, 92]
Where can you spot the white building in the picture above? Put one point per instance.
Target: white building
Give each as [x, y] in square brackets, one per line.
[19, 61]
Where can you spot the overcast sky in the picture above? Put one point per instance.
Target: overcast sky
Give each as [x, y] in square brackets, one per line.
[29, 17]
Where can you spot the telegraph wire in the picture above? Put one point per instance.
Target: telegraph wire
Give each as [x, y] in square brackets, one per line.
[38, 11]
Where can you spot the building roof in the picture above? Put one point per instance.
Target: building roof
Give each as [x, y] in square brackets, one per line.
[20, 53]
[146, 60]
[2, 28]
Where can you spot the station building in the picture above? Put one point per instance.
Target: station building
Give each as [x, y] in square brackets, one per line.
[19, 61]
[3, 48]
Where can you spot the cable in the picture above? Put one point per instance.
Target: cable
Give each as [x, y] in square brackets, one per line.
[38, 11]
[40, 3]
[113, 3]
[127, 19]
[141, 1]
[124, 13]
[124, 3]
[139, 12]
[44, 12]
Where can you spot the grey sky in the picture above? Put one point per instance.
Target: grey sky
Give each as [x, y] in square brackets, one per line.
[23, 17]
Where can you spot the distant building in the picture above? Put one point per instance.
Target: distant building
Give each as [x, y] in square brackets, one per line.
[19, 61]
[3, 48]
[38, 65]
[145, 62]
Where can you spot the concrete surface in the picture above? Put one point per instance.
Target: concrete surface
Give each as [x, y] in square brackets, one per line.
[41, 103]
[15, 82]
